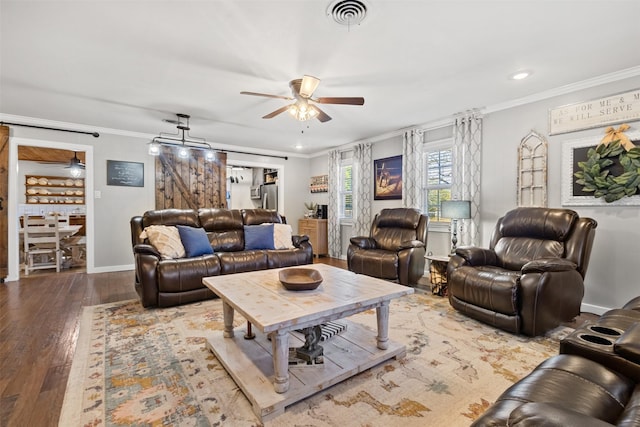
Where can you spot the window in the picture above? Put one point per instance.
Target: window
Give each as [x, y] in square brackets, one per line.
[346, 190]
[438, 164]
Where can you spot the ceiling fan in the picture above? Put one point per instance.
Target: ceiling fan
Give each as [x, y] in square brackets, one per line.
[304, 107]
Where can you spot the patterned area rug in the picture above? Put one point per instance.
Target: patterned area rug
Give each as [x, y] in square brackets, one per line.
[135, 366]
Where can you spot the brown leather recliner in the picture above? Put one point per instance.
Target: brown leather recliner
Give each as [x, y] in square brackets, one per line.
[395, 248]
[531, 277]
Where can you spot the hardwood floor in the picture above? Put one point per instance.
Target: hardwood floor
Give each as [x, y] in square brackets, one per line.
[39, 325]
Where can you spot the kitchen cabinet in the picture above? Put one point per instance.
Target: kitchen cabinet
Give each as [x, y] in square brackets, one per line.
[316, 229]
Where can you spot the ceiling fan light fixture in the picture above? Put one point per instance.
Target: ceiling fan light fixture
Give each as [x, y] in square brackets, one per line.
[75, 171]
[75, 166]
[308, 86]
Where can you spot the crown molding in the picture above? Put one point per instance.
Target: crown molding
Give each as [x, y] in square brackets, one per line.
[139, 135]
[563, 90]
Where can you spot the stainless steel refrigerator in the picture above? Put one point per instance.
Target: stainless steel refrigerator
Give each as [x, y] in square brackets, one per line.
[270, 196]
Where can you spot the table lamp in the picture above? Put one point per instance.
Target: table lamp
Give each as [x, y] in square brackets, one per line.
[455, 209]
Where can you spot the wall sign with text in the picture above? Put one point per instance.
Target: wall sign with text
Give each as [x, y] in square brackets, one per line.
[623, 107]
[127, 174]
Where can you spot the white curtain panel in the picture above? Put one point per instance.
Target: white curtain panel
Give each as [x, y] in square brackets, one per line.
[333, 223]
[363, 165]
[412, 141]
[467, 150]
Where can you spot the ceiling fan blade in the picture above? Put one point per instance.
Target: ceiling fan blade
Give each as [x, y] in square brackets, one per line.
[308, 86]
[322, 116]
[340, 100]
[275, 113]
[288, 98]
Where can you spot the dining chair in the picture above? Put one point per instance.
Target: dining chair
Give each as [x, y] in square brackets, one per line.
[41, 244]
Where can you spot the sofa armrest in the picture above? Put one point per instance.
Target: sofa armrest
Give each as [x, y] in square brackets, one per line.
[628, 345]
[544, 265]
[409, 244]
[298, 240]
[146, 249]
[537, 414]
[477, 256]
[363, 242]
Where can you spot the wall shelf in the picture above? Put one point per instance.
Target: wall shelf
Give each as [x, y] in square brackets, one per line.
[319, 184]
[270, 176]
[43, 189]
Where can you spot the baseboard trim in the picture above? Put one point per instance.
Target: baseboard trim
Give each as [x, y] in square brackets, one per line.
[595, 309]
[111, 268]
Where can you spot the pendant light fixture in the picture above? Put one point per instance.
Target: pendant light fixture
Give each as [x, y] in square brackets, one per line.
[75, 166]
[182, 140]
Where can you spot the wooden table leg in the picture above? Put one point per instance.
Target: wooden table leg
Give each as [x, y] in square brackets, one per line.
[227, 312]
[249, 335]
[280, 346]
[382, 314]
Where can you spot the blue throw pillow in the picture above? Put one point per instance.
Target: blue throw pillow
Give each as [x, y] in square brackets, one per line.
[258, 236]
[194, 240]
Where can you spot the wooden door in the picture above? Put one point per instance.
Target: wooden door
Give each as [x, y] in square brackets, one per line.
[190, 183]
[4, 195]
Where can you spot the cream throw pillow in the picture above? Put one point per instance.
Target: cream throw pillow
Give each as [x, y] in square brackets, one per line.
[166, 239]
[282, 236]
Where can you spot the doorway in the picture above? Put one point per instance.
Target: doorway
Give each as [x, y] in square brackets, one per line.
[17, 193]
[248, 179]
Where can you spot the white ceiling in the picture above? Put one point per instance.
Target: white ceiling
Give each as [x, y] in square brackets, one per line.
[127, 65]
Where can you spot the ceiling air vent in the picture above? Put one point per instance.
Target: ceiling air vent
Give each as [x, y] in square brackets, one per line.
[347, 12]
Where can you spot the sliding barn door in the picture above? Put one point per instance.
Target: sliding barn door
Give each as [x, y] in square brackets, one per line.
[190, 183]
[4, 195]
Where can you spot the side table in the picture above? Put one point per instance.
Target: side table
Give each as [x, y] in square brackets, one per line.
[438, 273]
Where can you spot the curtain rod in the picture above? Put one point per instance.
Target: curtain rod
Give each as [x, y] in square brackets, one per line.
[94, 134]
[251, 154]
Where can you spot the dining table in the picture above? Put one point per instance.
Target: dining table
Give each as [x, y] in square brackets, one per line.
[64, 231]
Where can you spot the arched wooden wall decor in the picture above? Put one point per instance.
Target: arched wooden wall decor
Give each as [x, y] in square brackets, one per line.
[532, 170]
[192, 182]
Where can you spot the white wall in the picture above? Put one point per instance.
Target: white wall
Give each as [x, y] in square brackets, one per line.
[241, 190]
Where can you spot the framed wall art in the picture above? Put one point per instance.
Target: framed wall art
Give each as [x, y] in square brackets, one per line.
[618, 108]
[126, 174]
[573, 193]
[387, 176]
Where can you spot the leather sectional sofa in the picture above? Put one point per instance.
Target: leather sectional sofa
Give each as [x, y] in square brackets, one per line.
[166, 282]
[594, 382]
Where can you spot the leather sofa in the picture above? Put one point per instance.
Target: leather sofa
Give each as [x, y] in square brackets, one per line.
[168, 282]
[592, 383]
[394, 249]
[530, 279]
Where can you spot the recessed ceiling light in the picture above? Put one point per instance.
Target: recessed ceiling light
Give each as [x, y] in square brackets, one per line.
[519, 75]
[298, 146]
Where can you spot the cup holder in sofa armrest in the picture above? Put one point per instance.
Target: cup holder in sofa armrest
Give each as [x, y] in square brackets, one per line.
[605, 330]
[595, 339]
[628, 345]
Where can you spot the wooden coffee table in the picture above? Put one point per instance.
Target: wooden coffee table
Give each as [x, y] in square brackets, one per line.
[261, 368]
